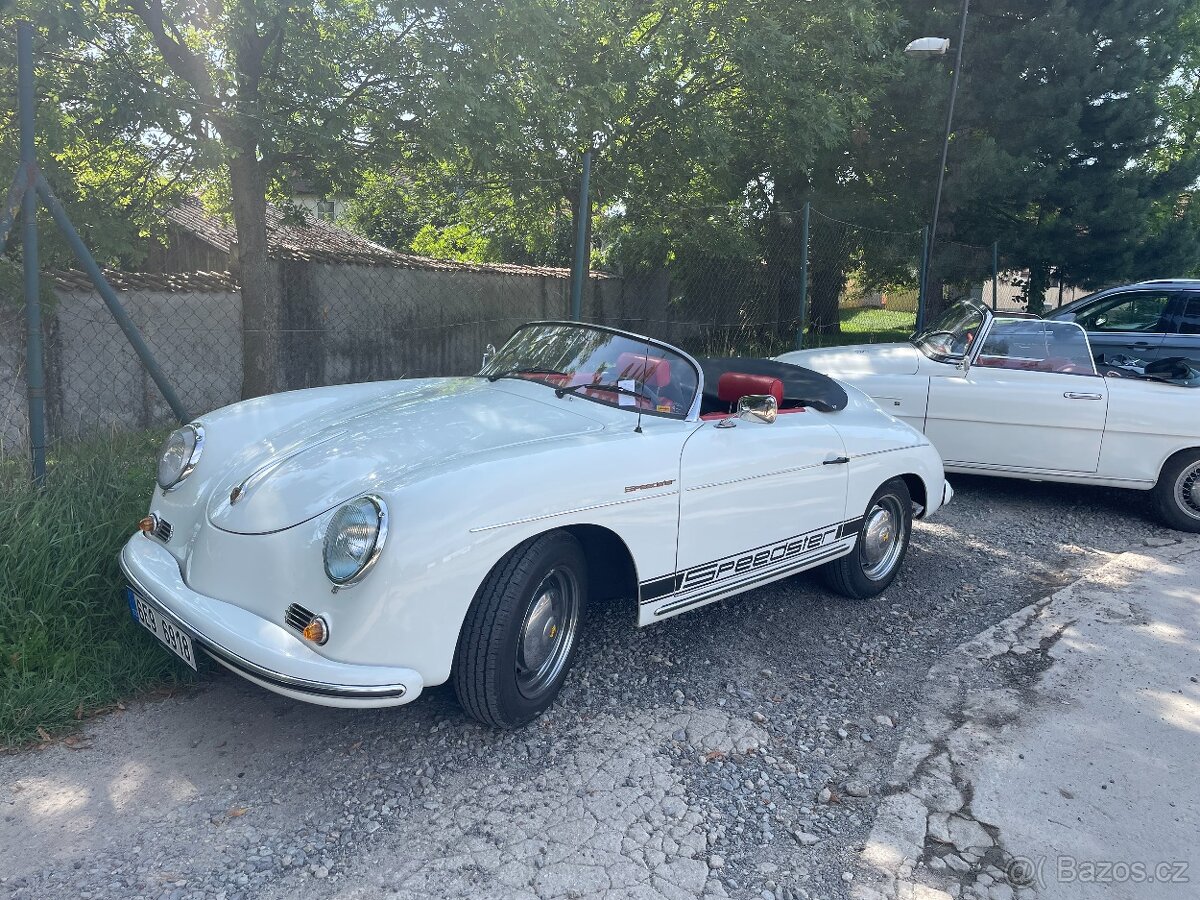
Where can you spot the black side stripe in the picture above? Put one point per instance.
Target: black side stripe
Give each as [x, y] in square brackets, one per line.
[796, 548]
[854, 526]
[659, 587]
[800, 565]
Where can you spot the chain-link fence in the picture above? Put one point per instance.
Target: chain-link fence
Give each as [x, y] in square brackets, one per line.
[342, 309]
[864, 283]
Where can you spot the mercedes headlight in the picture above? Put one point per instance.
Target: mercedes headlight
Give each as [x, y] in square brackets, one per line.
[354, 539]
[179, 454]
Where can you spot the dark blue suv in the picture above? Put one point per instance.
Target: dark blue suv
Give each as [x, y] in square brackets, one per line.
[1149, 320]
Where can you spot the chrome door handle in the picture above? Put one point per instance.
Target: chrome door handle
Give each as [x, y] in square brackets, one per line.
[836, 461]
[1072, 395]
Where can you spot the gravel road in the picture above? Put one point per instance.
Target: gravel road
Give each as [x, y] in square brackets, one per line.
[734, 751]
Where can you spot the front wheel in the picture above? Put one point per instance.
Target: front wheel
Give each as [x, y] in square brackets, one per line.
[1176, 496]
[519, 637]
[871, 566]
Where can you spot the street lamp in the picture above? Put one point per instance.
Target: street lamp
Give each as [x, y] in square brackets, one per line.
[926, 48]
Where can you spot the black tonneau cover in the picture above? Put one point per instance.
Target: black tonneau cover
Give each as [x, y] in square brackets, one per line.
[801, 386]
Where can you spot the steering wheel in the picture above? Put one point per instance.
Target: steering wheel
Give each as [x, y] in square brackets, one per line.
[953, 343]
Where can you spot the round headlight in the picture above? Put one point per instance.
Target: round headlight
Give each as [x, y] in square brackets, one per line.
[354, 539]
[179, 454]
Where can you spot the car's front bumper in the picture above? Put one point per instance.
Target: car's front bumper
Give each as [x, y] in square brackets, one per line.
[255, 648]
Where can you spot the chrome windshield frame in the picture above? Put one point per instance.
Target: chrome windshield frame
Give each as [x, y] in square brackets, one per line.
[693, 413]
[986, 319]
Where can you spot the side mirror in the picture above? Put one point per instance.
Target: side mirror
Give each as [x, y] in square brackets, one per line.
[489, 353]
[763, 407]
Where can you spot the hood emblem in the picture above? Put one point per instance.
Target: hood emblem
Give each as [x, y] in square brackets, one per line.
[235, 495]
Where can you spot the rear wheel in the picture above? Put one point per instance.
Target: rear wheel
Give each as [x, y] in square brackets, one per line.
[882, 545]
[1176, 496]
[519, 637]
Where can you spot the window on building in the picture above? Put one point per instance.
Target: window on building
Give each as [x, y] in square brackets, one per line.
[326, 210]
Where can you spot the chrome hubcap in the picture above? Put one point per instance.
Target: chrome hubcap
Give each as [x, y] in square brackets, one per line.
[1187, 491]
[547, 632]
[882, 538]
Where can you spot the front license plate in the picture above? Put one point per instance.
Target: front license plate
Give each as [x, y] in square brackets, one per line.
[158, 625]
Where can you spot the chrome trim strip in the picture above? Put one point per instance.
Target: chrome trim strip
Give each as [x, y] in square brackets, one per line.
[712, 484]
[568, 512]
[224, 654]
[700, 487]
[1027, 470]
[889, 450]
[243, 487]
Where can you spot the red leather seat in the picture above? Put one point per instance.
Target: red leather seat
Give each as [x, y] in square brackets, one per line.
[733, 386]
[652, 370]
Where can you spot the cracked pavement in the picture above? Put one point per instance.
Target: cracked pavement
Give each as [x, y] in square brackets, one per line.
[741, 750]
[1047, 759]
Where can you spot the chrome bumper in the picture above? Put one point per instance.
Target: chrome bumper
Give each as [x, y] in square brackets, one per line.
[257, 649]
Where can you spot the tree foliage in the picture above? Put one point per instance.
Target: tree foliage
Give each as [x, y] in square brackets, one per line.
[457, 128]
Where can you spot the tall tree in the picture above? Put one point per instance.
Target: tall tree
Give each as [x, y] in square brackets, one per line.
[110, 175]
[264, 90]
[1063, 114]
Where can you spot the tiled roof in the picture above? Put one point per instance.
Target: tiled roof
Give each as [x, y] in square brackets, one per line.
[320, 241]
[158, 282]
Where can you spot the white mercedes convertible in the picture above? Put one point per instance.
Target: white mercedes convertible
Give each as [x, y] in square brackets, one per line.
[350, 545]
[1023, 398]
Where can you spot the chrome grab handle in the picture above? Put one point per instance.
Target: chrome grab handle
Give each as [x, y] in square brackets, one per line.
[1072, 395]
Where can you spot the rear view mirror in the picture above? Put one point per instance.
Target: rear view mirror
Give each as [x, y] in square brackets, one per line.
[489, 353]
[762, 407]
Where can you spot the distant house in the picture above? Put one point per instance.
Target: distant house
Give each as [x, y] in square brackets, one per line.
[320, 205]
[198, 241]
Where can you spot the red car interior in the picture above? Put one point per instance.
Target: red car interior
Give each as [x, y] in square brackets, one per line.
[733, 386]
[1059, 364]
[651, 370]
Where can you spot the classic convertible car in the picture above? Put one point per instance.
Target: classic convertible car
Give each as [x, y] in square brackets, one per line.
[350, 545]
[1023, 398]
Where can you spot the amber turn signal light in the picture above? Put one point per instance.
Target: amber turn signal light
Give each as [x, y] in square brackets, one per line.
[147, 524]
[317, 631]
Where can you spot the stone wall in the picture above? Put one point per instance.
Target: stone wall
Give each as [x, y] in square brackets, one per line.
[340, 323]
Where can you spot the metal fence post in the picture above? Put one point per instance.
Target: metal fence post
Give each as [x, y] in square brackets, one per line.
[995, 272]
[922, 277]
[110, 298]
[804, 221]
[35, 373]
[13, 202]
[579, 271]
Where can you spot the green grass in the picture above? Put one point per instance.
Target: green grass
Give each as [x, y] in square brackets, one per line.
[867, 326]
[67, 643]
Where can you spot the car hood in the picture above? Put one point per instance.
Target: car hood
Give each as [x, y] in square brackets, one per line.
[862, 359]
[307, 468]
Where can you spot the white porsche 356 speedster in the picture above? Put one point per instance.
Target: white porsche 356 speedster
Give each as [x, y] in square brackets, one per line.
[1024, 398]
[350, 545]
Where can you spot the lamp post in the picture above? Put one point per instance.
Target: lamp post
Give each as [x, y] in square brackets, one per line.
[925, 48]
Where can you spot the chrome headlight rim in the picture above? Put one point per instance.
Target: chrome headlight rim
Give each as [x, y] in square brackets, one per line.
[197, 432]
[381, 533]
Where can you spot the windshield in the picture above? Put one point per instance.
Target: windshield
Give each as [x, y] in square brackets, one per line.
[952, 333]
[603, 366]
